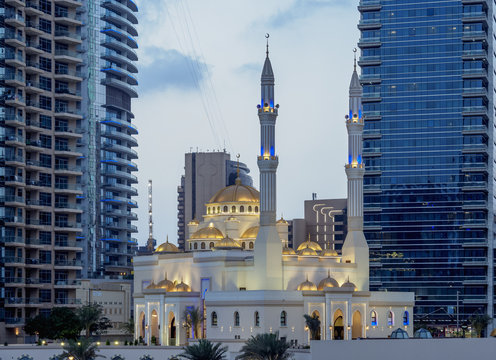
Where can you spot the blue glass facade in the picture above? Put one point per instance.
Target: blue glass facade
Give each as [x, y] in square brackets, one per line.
[428, 187]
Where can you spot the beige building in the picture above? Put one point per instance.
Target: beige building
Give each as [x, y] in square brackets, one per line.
[114, 296]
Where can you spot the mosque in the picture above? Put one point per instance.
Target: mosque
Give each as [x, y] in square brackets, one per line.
[240, 273]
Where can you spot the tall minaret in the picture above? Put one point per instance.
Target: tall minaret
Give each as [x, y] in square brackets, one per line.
[355, 248]
[268, 246]
[151, 242]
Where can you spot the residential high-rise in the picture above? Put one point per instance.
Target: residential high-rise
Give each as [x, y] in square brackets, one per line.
[205, 173]
[40, 159]
[427, 77]
[66, 83]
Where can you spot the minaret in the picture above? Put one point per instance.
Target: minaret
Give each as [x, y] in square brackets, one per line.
[268, 246]
[150, 244]
[355, 248]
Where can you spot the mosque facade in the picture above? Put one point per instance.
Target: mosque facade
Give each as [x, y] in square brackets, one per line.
[238, 270]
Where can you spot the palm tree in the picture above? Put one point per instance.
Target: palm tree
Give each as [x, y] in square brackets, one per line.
[82, 349]
[313, 325]
[128, 327]
[480, 322]
[92, 319]
[204, 350]
[193, 318]
[265, 347]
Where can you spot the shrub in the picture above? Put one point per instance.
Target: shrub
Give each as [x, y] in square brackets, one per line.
[107, 342]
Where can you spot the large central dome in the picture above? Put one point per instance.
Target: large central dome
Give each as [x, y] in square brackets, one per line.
[236, 193]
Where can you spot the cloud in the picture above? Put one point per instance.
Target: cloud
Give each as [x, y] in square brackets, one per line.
[301, 9]
[170, 69]
[249, 68]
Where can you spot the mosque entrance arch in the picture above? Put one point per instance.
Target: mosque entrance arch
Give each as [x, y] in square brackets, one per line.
[338, 326]
[172, 329]
[154, 326]
[356, 327]
[317, 335]
[141, 326]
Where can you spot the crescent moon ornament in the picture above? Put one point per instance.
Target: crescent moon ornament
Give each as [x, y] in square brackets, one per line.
[267, 35]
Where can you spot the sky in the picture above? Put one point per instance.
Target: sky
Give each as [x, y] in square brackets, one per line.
[199, 84]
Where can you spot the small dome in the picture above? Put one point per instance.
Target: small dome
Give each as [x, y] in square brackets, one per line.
[236, 193]
[307, 252]
[399, 334]
[209, 232]
[328, 282]
[350, 285]
[288, 251]
[307, 285]
[329, 252]
[227, 244]
[251, 233]
[282, 221]
[423, 334]
[194, 222]
[182, 287]
[152, 286]
[309, 244]
[167, 247]
[165, 284]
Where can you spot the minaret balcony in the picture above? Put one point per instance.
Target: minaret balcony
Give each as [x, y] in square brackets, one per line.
[268, 109]
[268, 157]
[355, 166]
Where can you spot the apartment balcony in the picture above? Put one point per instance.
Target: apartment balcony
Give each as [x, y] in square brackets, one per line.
[68, 208]
[13, 140]
[121, 47]
[476, 242]
[68, 113]
[68, 75]
[14, 322]
[12, 200]
[68, 56]
[12, 261]
[474, 35]
[13, 281]
[64, 18]
[66, 150]
[121, 162]
[13, 39]
[33, 87]
[33, 48]
[35, 204]
[121, 85]
[120, 34]
[67, 37]
[118, 135]
[121, 123]
[474, 54]
[68, 245]
[12, 160]
[107, 145]
[32, 242]
[33, 67]
[33, 107]
[369, 5]
[68, 264]
[117, 265]
[120, 21]
[33, 8]
[119, 59]
[474, 129]
[476, 261]
[13, 180]
[474, 73]
[369, 60]
[15, 3]
[118, 212]
[64, 169]
[14, 301]
[369, 42]
[368, 24]
[474, 148]
[13, 19]
[127, 8]
[121, 226]
[14, 59]
[12, 220]
[120, 174]
[70, 302]
[37, 263]
[69, 3]
[68, 226]
[474, 167]
[121, 187]
[120, 200]
[12, 79]
[12, 120]
[66, 284]
[67, 94]
[113, 251]
[370, 78]
[126, 76]
[33, 28]
[63, 188]
[475, 92]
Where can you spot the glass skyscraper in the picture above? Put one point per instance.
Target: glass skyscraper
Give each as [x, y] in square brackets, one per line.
[427, 76]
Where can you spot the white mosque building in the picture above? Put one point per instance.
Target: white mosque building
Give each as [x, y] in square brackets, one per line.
[239, 271]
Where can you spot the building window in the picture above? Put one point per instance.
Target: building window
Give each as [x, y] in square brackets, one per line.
[250, 209]
[190, 246]
[226, 209]
[242, 209]
[390, 318]
[233, 209]
[257, 319]
[211, 245]
[251, 245]
[196, 246]
[256, 209]
[214, 319]
[202, 246]
[243, 245]
[236, 318]
[373, 318]
[284, 318]
[406, 318]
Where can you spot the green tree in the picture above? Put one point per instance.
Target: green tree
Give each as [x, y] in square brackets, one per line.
[92, 320]
[265, 347]
[39, 325]
[313, 325]
[204, 350]
[479, 323]
[192, 319]
[128, 327]
[62, 323]
[81, 349]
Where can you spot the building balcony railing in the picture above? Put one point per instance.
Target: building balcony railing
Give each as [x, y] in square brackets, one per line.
[13, 239]
[12, 259]
[14, 321]
[68, 243]
[59, 262]
[66, 71]
[64, 186]
[68, 224]
[67, 282]
[67, 167]
[68, 301]
[41, 242]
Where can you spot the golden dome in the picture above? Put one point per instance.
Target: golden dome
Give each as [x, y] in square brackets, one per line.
[236, 193]
[350, 285]
[194, 222]
[167, 247]
[165, 284]
[309, 244]
[307, 252]
[306, 285]
[182, 287]
[209, 232]
[288, 251]
[328, 282]
[152, 286]
[227, 244]
[282, 221]
[329, 252]
[251, 233]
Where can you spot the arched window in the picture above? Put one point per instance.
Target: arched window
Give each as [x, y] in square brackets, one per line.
[243, 245]
[251, 245]
[214, 318]
[233, 209]
[202, 246]
[373, 318]
[208, 210]
[211, 245]
[218, 209]
[284, 318]
[250, 209]
[236, 318]
[406, 318]
[241, 208]
[196, 246]
[190, 246]
[226, 209]
[257, 319]
[390, 318]
[256, 209]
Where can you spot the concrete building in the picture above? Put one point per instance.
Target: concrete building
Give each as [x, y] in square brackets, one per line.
[427, 71]
[115, 297]
[205, 173]
[66, 83]
[240, 272]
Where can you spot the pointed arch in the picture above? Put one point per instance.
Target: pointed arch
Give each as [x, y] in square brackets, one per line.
[356, 325]
[154, 326]
[338, 325]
